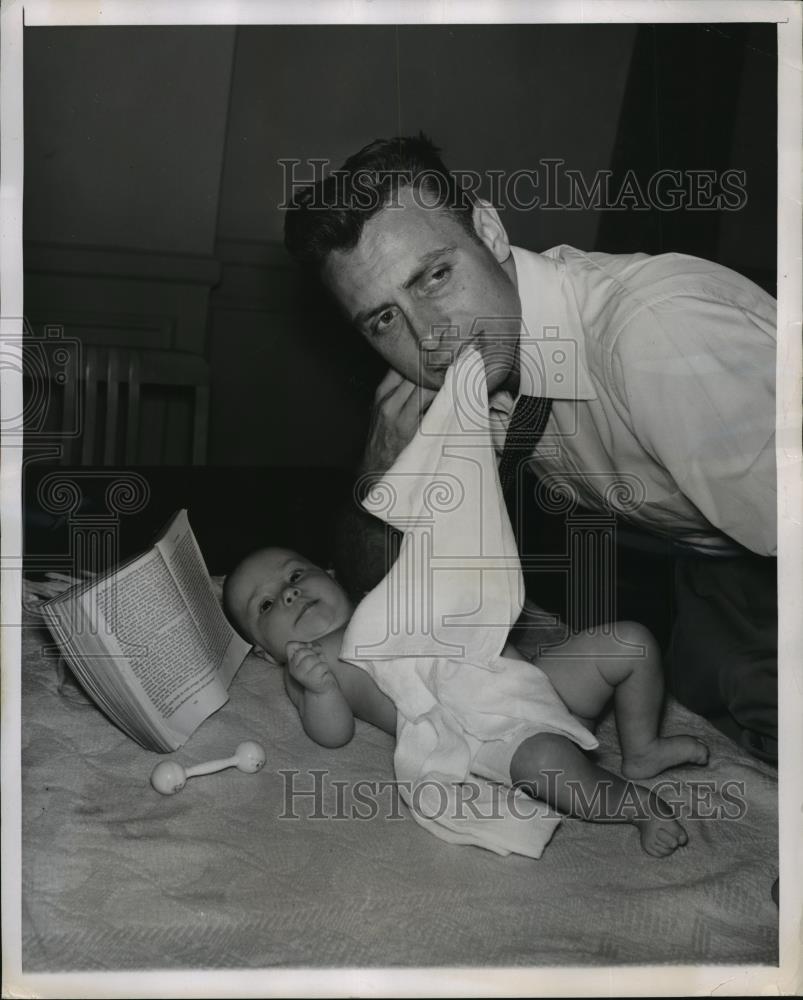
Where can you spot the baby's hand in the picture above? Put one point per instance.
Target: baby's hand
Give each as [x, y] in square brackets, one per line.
[307, 666]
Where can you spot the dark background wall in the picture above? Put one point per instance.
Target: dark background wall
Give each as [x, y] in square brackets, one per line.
[701, 98]
[125, 136]
[151, 218]
[495, 97]
[167, 140]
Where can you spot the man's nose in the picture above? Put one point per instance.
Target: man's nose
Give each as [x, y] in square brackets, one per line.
[290, 595]
[440, 343]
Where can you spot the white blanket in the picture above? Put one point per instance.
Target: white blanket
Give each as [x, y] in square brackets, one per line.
[432, 632]
[115, 876]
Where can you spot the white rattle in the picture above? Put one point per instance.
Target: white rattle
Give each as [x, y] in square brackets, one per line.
[170, 777]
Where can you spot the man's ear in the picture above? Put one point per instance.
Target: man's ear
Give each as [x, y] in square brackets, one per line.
[264, 655]
[488, 226]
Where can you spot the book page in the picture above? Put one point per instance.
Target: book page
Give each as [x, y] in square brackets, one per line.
[186, 563]
[88, 658]
[142, 611]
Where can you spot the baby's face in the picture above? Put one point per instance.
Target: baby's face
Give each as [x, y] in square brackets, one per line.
[278, 596]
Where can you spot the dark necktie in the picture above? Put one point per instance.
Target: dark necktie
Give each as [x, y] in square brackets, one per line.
[527, 424]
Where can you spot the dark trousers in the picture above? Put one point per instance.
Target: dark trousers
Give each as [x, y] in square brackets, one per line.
[723, 653]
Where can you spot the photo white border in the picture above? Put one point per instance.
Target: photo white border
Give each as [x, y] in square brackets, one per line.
[663, 980]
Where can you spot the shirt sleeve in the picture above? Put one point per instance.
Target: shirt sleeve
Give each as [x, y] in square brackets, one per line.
[697, 379]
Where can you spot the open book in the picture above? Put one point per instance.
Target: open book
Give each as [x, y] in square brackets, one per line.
[149, 641]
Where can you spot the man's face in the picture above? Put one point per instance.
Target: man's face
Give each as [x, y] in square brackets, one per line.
[277, 596]
[418, 286]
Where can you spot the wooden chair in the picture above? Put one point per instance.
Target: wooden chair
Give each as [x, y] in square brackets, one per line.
[118, 416]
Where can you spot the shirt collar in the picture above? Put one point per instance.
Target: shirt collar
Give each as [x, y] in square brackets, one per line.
[552, 344]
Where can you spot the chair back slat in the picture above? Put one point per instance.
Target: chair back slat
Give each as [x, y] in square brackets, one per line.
[68, 405]
[132, 411]
[124, 373]
[109, 429]
[89, 421]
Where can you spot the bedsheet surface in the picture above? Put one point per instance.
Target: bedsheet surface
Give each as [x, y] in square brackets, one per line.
[116, 876]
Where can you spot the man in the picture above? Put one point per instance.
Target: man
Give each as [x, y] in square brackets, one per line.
[653, 371]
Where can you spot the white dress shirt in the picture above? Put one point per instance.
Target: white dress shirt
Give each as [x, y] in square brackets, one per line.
[662, 375]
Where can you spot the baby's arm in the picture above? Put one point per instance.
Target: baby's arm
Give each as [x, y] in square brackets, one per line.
[314, 690]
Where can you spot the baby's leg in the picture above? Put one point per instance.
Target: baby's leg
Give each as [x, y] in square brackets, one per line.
[589, 668]
[552, 768]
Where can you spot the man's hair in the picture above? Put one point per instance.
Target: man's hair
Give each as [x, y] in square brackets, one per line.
[330, 215]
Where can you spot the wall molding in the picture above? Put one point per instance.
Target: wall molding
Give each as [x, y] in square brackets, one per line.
[65, 258]
[119, 297]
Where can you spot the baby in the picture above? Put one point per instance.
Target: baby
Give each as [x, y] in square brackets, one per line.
[295, 613]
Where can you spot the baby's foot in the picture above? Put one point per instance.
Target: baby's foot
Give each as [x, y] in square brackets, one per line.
[660, 837]
[662, 753]
[660, 832]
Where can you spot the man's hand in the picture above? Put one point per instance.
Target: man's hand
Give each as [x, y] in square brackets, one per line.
[399, 405]
[306, 665]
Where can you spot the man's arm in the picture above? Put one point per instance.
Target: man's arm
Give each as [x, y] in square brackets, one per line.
[365, 547]
[698, 379]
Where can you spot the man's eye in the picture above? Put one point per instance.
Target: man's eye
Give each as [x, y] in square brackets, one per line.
[296, 575]
[384, 321]
[440, 274]
[265, 605]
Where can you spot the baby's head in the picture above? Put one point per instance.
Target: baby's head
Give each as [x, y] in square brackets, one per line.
[275, 596]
